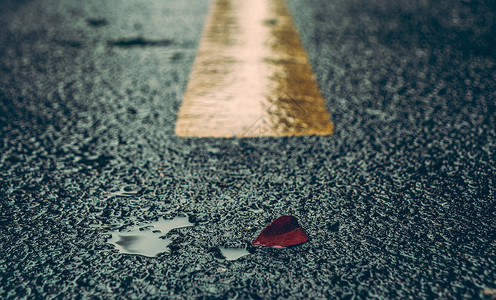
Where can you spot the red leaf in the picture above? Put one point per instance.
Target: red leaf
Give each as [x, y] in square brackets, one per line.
[282, 232]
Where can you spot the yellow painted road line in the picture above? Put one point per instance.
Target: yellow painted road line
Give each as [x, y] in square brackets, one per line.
[251, 76]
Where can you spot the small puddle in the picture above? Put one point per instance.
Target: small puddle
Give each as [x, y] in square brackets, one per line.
[146, 239]
[233, 253]
[139, 42]
[126, 191]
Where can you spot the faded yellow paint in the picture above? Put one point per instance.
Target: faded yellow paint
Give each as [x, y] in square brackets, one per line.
[251, 76]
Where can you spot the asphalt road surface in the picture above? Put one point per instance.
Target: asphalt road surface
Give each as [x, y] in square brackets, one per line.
[398, 203]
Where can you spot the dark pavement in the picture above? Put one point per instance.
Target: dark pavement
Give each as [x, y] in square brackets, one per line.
[399, 202]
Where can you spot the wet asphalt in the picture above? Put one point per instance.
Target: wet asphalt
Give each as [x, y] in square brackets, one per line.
[398, 203]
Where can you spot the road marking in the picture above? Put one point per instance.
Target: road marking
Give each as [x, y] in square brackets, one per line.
[251, 76]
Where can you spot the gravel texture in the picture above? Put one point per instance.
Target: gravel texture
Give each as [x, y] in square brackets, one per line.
[399, 202]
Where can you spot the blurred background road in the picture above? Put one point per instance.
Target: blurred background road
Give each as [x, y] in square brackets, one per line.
[399, 202]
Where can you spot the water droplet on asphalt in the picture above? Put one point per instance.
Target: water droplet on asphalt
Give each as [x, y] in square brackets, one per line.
[146, 239]
[233, 253]
[125, 191]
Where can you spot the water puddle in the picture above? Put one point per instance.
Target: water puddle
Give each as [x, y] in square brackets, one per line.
[95, 22]
[146, 239]
[233, 253]
[139, 42]
[125, 192]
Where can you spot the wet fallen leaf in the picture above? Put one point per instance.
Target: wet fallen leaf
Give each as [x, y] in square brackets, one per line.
[282, 232]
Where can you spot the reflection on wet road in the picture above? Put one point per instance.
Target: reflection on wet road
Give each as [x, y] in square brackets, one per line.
[146, 239]
[251, 76]
[233, 253]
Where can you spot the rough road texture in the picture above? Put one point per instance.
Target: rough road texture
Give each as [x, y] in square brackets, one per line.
[399, 202]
